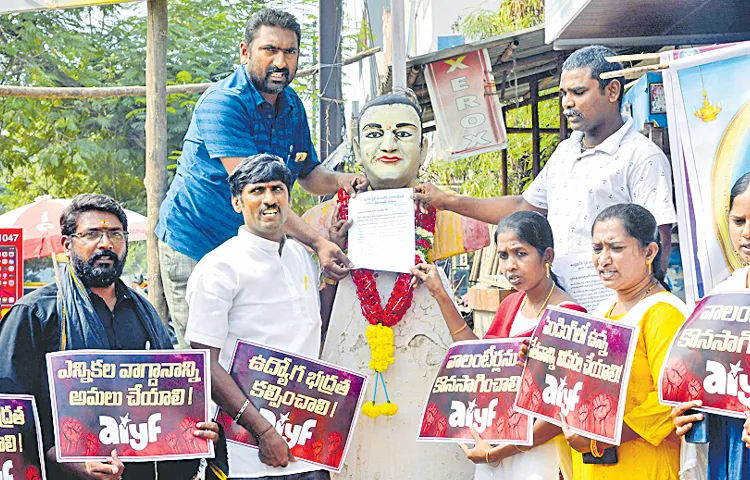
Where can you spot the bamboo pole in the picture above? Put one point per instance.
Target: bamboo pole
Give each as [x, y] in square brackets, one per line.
[137, 91]
[632, 71]
[636, 57]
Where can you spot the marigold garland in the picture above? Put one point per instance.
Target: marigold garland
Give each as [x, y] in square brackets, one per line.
[379, 333]
[382, 348]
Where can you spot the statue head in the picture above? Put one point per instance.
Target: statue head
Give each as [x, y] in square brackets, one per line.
[389, 141]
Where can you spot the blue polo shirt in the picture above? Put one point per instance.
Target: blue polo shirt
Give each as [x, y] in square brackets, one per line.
[231, 119]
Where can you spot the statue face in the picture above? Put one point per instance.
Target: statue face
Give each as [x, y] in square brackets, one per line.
[390, 145]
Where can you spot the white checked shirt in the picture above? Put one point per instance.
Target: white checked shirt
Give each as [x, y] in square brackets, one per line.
[247, 289]
[576, 184]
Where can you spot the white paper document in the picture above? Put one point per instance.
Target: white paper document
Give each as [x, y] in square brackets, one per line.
[382, 233]
[579, 277]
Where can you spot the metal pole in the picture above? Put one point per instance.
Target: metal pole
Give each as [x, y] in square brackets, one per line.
[331, 99]
[156, 143]
[505, 164]
[398, 33]
[535, 138]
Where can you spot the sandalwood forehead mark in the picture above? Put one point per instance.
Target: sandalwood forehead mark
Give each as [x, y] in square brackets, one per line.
[104, 223]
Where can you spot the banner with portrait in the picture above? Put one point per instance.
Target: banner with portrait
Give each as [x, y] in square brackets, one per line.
[476, 387]
[144, 403]
[708, 110]
[21, 454]
[709, 359]
[312, 404]
[578, 365]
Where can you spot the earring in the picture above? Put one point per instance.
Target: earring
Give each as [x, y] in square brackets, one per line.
[650, 267]
[546, 265]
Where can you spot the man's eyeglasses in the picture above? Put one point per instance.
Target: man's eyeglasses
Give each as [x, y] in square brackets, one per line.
[95, 236]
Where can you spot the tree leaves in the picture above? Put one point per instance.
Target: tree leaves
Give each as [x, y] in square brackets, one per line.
[62, 147]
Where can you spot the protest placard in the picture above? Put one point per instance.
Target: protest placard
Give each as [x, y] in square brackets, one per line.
[578, 365]
[312, 404]
[21, 453]
[476, 387]
[146, 404]
[709, 358]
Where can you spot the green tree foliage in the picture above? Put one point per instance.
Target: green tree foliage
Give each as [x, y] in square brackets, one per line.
[69, 146]
[481, 175]
[513, 15]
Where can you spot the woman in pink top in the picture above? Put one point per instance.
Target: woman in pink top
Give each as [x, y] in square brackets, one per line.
[525, 251]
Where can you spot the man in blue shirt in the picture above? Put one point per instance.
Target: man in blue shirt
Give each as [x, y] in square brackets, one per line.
[252, 111]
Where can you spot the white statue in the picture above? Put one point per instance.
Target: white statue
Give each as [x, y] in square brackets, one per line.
[391, 150]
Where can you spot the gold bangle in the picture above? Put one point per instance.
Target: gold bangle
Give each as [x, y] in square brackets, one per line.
[522, 451]
[329, 281]
[466, 325]
[242, 410]
[487, 457]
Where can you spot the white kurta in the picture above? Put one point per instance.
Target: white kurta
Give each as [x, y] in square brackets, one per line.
[246, 289]
[386, 448]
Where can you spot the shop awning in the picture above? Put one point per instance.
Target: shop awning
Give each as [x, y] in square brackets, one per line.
[623, 23]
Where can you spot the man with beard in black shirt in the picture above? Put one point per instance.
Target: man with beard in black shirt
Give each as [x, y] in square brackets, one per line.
[88, 307]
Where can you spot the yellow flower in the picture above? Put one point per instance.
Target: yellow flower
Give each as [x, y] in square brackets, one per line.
[371, 409]
[388, 409]
[382, 349]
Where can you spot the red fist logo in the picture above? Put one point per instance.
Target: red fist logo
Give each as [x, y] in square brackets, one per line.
[71, 431]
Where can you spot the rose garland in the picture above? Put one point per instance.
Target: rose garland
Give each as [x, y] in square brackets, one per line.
[381, 319]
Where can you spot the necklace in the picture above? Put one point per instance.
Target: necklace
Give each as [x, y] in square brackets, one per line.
[653, 285]
[544, 305]
[586, 145]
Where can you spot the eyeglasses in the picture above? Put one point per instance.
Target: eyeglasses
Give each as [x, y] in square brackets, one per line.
[95, 236]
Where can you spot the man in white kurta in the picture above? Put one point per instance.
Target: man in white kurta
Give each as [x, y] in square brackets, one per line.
[262, 287]
[604, 162]
[578, 183]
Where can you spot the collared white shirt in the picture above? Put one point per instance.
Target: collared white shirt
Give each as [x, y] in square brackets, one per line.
[576, 184]
[250, 288]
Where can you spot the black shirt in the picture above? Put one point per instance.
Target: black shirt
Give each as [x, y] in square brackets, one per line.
[124, 330]
[31, 329]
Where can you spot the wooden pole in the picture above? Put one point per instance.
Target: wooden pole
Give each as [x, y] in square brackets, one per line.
[156, 143]
[542, 131]
[633, 71]
[398, 34]
[535, 135]
[136, 91]
[511, 105]
[636, 57]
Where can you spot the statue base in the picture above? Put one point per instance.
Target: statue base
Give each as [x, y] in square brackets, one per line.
[385, 448]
